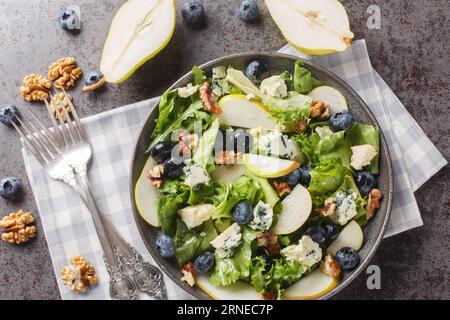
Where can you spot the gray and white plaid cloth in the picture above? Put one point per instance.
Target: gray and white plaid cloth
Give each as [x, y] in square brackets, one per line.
[69, 229]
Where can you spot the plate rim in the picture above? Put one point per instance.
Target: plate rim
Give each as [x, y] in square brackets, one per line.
[384, 147]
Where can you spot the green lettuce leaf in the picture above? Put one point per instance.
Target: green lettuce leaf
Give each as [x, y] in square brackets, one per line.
[325, 179]
[225, 272]
[269, 195]
[211, 233]
[203, 153]
[350, 185]
[186, 241]
[167, 206]
[366, 134]
[304, 82]
[199, 75]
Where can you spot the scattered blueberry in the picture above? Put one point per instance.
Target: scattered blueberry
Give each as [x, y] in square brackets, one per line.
[10, 188]
[243, 213]
[248, 10]
[224, 140]
[305, 174]
[193, 12]
[332, 231]
[8, 113]
[69, 20]
[317, 233]
[173, 168]
[204, 262]
[341, 121]
[347, 258]
[161, 151]
[365, 182]
[165, 246]
[293, 178]
[257, 70]
[92, 77]
[242, 141]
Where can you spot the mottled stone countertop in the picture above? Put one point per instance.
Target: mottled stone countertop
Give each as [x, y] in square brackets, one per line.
[410, 51]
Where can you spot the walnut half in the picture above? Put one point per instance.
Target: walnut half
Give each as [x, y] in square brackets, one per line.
[35, 87]
[80, 275]
[208, 99]
[269, 241]
[17, 227]
[330, 266]
[189, 273]
[281, 187]
[320, 110]
[155, 175]
[373, 203]
[64, 72]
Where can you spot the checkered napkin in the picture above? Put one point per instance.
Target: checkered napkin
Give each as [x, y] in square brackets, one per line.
[69, 229]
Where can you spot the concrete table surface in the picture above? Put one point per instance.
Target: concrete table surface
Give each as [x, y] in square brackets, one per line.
[410, 51]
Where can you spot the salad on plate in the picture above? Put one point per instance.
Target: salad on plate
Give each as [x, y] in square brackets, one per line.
[262, 182]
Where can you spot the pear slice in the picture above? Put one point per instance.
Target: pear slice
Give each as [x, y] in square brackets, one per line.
[238, 111]
[227, 174]
[138, 31]
[268, 167]
[145, 196]
[238, 290]
[297, 207]
[314, 27]
[351, 236]
[330, 96]
[313, 286]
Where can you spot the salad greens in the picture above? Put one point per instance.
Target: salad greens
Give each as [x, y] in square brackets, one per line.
[234, 221]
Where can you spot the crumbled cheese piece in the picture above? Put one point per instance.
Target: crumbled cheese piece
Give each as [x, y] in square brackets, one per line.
[187, 91]
[362, 155]
[277, 144]
[225, 242]
[193, 216]
[262, 216]
[219, 72]
[323, 131]
[274, 86]
[195, 174]
[345, 207]
[306, 252]
[250, 96]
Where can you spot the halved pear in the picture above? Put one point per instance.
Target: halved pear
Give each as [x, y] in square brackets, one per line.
[227, 174]
[329, 96]
[297, 207]
[145, 196]
[351, 236]
[238, 290]
[138, 31]
[313, 286]
[268, 167]
[314, 27]
[238, 111]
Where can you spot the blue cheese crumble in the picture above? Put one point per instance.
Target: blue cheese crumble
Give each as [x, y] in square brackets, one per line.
[225, 242]
[262, 217]
[277, 144]
[306, 252]
[274, 86]
[195, 174]
[345, 207]
[220, 85]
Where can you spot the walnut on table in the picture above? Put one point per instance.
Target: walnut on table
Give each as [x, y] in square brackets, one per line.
[35, 87]
[64, 73]
[56, 104]
[17, 228]
[79, 276]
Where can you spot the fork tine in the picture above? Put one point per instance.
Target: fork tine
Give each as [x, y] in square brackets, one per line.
[26, 140]
[64, 132]
[32, 140]
[71, 128]
[47, 135]
[80, 127]
[40, 137]
[56, 129]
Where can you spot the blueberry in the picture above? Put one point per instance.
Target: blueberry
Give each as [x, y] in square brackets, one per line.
[173, 168]
[7, 114]
[248, 10]
[341, 121]
[293, 178]
[92, 77]
[332, 231]
[224, 140]
[242, 141]
[69, 20]
[165, 246]
[317, 233]
[347, 258]
[161, 151]
[305, 174]
[204, 262]
[257, 70]
[243, 213]
[365, 182]
[194, 13]
[10, 188]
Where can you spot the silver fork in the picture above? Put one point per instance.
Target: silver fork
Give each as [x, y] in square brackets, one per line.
[43, 147]
[77, 151]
